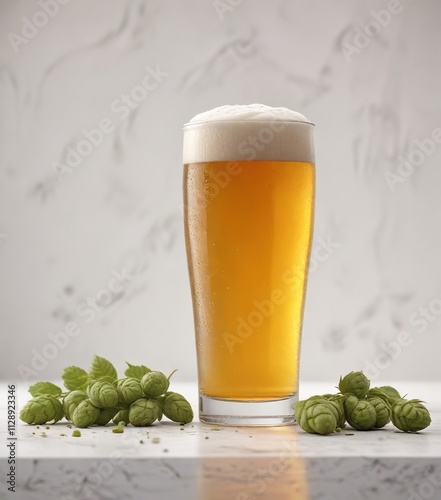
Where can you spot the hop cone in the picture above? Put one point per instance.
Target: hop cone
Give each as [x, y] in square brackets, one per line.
[338, 399]
[391, 393]
[85, 414]
[177, 408]
[154, 384]
[129, 390]
[382, 409]
[355, 383]
[143, 412]
[103, 394]
[42, 409]
[317, 415]
[360, 414]
[71, 401]
[409, 415]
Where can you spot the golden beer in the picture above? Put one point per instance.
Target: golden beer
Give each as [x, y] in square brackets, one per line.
[248, 227]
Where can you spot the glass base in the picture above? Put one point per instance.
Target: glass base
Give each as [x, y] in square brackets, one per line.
[247, 413]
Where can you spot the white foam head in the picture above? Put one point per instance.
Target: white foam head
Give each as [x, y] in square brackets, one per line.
[248, 132]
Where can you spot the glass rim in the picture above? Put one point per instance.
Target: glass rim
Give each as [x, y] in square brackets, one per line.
[198, 123]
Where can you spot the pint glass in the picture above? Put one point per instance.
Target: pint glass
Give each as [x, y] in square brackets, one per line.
[249, 185]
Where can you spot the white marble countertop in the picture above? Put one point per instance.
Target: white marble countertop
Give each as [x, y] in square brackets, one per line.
[209, 462]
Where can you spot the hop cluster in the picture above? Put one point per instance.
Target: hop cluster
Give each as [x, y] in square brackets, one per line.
[362, 407]
[98, 396]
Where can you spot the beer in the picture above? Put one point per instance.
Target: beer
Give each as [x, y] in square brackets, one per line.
[248, 222]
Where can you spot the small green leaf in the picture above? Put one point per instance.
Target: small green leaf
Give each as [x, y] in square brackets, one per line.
[102, 368]
[136, 371]
[75, 378]
[40, 388]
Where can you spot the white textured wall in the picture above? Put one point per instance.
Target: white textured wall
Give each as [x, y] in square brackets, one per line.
[62, 237]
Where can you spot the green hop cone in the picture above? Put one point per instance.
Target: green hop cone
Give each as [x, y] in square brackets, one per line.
[386, 393]
[106, 416]
[103, 394]
[85, 414]
[317, 415]
[339, 400]
[382, 410]
[41, 410]
[71, 401]
[409, 415]
[360, 414]
[121, 416]
[391, 393]
[378, 393]
[143, 412]
[129, 390]
[176, 408]
[355, 383]
[154, 384]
